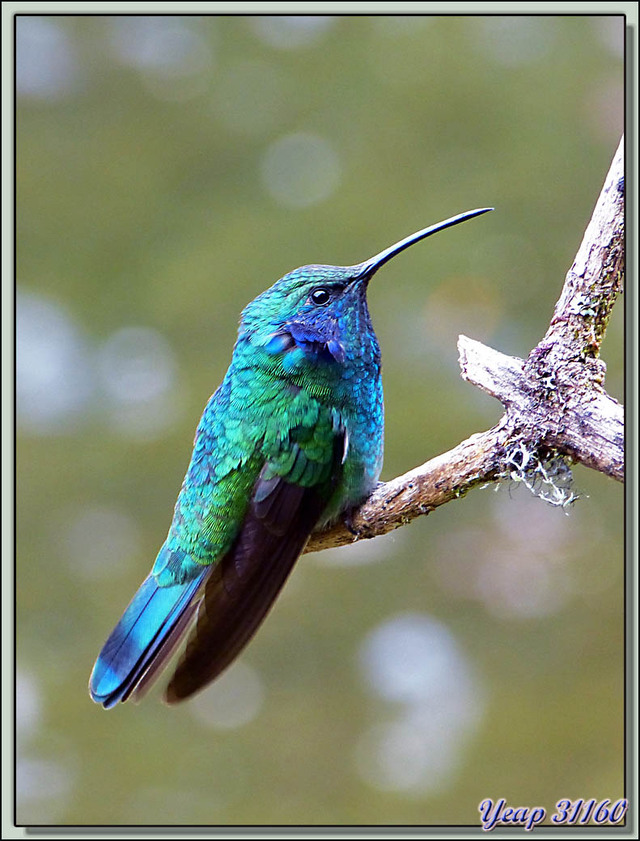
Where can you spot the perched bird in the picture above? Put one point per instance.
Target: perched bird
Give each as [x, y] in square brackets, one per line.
[291, 439]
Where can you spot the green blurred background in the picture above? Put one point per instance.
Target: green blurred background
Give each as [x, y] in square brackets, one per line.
[168, 170]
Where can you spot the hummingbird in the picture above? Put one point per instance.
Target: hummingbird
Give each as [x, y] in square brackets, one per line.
[290, 441]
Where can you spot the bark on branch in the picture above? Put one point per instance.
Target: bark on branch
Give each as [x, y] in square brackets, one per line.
[556, 409]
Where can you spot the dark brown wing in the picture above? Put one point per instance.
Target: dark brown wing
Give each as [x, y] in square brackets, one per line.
[242, 587]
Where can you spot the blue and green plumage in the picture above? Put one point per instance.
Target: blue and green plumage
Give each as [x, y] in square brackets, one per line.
[292, 438]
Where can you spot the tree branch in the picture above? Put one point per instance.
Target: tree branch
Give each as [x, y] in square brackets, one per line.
[556, 409]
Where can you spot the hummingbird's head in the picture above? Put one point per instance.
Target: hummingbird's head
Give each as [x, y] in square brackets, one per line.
[308, 309]
[319, 313]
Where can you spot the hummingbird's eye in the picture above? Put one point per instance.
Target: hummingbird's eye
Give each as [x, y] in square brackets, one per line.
[320, 296]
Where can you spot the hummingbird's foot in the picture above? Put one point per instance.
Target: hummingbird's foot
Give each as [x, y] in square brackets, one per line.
[347, 519]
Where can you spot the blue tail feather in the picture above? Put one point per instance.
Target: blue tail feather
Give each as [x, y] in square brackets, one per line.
[139, 638]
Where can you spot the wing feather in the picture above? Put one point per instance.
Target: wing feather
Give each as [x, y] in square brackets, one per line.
[241, 589]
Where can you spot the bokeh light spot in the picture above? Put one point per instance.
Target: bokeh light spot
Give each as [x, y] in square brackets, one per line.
[138, 370]
[136, 364]
[300, 170]
[174, 59]
[53, 372]
[519, 566]
[46, 65]
[44, 782]
[99, 541]
[610, 33]
[28, 705]
[412, 658]
[291, 32]
[43, 790]
[413, 661]
[232, 701]
[512, 41]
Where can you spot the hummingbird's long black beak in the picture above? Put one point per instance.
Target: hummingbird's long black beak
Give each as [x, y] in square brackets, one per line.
[371, 266]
